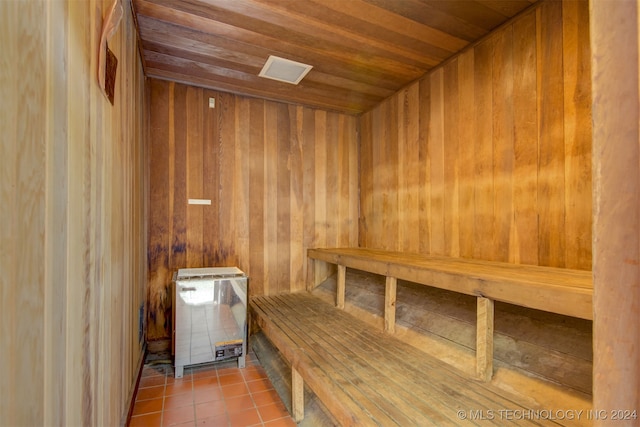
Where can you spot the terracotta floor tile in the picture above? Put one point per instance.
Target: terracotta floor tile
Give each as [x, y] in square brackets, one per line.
[210, 409]
[267, 397]
[204, 373]
[178, 388]
[219, 395]
[253, 373]
[205, 381]
[148, 420]
[226, 370]
[259, 385]
[150, 393]
[153, 381]
[234, 390]
[207, 394]
[147, 406]
[217, 421]
[178, 400]
[171, 378]
[231, 378]
[177, 416]
[239, 404]
[246, 418]
[273, 412]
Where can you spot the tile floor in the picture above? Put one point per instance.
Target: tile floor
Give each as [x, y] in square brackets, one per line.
[218, 394]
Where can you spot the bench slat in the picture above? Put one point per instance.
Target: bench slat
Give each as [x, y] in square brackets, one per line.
[367, 377]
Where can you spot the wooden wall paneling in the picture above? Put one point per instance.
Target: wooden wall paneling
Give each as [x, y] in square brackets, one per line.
[451, 159]
[332, 138]
[550, 136]
[194, 171]
[436, 162]
[86, 162]
[308, 185]
[615, 61]
[242, 173]
[351, 131]
[411, 123]
[298, 255]
[576, 65]
[321, 179]
[342, 169]
[254, 159]
[219, 124]
[22, 290]
[257, 196]
[524, 245]
[365, 179]
[160, 223]
[391, 211]
[380, 181]
[403, 188]
[57, 188]
[272, 195]
[424, 196]
[503, 151]
[72, 184]
[284, 176]
[177, 216]
[271, 152]
[521, 173]
[483, 166]
[466, 147]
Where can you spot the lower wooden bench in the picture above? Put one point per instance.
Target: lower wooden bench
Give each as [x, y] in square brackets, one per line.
[366, 377]
[557, 290]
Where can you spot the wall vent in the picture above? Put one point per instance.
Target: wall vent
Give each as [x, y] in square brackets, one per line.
[284, 70]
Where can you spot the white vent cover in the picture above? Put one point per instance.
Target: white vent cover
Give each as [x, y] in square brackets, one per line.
[284, 70]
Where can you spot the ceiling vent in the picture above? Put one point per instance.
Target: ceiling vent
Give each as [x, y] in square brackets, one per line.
[284, 70]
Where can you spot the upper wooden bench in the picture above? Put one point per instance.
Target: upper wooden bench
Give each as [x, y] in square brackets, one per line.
[558, 290]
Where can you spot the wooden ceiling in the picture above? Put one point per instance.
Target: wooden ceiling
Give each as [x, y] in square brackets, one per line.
[362, 51]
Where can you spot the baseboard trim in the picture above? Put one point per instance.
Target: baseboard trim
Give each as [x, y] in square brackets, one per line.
[134, 390]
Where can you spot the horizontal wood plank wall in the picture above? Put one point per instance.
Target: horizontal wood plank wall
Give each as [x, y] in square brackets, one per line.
[489, 156]
[281, 179]
[73, 200]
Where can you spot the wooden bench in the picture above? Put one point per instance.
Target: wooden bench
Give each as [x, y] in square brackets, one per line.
[557, 290]
[367, 377]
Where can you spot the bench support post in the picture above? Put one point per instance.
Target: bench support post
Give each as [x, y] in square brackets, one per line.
[484, 339]
[390, 304]
[342, 274]
[297, 395]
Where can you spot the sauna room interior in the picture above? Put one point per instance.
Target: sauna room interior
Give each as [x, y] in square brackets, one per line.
[460, 179]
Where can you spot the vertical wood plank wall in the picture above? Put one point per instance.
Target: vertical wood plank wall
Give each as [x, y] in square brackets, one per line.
[281, 179]
[615, 30]
[489, 156]
[73, 229]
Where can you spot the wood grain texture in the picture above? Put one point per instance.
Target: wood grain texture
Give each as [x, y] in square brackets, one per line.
[616, 178]
[73, 197]
[362, 51]
[504, 150]
[279, 178]
[366, 377]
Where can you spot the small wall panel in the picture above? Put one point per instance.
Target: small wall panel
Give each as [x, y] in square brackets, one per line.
[504, 143]
[281, 179]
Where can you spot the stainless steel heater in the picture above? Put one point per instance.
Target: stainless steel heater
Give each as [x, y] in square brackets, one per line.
[210, 316]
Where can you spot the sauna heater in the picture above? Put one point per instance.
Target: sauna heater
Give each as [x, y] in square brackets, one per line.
[210, 316]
